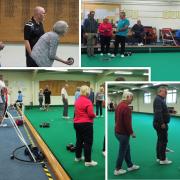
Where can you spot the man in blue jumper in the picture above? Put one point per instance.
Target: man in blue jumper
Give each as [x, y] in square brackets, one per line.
[160, 123]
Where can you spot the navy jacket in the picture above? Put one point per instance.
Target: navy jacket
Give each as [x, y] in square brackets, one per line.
[161, 114]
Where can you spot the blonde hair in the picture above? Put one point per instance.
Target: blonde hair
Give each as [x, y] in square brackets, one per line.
[126, 94]
[84, 90]
[101, 89]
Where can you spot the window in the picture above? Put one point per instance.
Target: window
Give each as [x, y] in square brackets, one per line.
[147, 98]
[171, 96]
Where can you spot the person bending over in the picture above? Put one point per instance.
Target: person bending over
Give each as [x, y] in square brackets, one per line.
[44, 51]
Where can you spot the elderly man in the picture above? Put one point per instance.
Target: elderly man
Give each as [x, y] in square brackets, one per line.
[138, 32]
[90, 30]
[33, 30]
[121, 34]
[64, 95]
[44, 51]
[123, 131]
[160, 124]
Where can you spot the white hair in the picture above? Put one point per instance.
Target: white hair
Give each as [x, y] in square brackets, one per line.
[126, 94]
[84, 90]
[2, 84]
[60, 27]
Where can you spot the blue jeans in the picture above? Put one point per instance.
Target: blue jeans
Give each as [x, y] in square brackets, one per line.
[124, 151]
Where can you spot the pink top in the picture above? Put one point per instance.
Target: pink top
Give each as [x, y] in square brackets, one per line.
[84, 111]
[105, 29]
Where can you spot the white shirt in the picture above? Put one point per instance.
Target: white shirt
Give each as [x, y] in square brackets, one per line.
[64, 92]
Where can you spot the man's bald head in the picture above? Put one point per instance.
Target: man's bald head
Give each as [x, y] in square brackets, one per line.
[39, 13]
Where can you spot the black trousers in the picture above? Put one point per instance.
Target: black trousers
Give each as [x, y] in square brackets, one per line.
[30, 62]
[138, 37]
[84, 137]
[121, 40]
[104, 144]
[65, 110]
[105, 43]
[98, 107]
[162, 140]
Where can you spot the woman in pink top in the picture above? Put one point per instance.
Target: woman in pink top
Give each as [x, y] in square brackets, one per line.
[105, 30]
[83, 125]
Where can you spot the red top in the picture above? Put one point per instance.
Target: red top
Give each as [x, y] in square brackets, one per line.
[84, 111]
[123, 119]
[105, 29]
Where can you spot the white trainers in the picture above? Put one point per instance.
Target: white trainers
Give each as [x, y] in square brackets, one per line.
[101, 54]
[122, 55]
[134, 167]
[101, 116]
[119, 172]
[66, 117]
[104, 153]
[109, 54]
[112, 55]
[165, 162]
[92, 163]
[79, 159]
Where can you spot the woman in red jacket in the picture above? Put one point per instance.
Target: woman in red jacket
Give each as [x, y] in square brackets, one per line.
[83, 124]
[105, 30]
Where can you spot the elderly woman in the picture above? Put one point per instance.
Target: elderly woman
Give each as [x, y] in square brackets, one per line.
[2, 100]
[99, 101]
[105, 30]
[83, 124]
[44, 51]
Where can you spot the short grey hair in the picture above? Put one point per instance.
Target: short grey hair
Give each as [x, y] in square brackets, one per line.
[126, 94]
[2, 85]
[60, 27]
[160, 88]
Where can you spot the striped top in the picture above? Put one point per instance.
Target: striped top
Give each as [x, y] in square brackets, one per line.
[44, 51]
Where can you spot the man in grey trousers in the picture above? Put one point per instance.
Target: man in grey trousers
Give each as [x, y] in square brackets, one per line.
[64, 95]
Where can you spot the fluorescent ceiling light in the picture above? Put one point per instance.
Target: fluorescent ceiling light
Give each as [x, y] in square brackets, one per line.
[157, 84]
[134, 88]
[144, 86]
[61, 70]
[123, 72]
[93, 71]
[120, 91]
[58, 70]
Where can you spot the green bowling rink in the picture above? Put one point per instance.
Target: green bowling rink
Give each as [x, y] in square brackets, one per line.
[61, 133]
[164, 66]
[143, 149]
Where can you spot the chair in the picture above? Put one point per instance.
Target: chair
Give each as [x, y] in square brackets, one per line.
[167, 36]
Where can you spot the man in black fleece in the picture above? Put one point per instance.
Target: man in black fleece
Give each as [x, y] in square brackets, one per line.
[160, 123]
